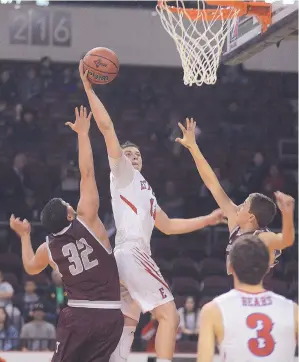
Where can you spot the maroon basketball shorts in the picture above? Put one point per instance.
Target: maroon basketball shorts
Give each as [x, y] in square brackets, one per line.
[87, 334]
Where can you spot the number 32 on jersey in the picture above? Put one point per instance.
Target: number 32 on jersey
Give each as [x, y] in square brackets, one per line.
[79, 256]
[263, 344]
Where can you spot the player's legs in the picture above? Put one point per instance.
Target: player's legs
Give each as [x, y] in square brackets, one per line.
[68, 339]
[147, 288]
[105, 336]
[89, 335]
[168, 319]
[131, 312]
[122, 351]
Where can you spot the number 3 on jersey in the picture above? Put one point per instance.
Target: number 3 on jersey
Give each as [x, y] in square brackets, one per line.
[263, 344]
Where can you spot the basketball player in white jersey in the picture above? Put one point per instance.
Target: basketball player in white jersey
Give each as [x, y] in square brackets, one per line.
[136, 213]
[257, 211]
[249, 323]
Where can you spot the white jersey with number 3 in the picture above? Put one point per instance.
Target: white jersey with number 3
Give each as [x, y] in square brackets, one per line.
[134, 207]
[257, 327]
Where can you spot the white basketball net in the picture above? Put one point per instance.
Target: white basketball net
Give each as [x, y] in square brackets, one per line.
[199, 41]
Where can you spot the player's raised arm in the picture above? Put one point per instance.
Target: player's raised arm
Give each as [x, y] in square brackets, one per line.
[183, 226]
[206, 173]
[88, 205]
[33, 263]
[286, 238]
[121, 168]
[101, 117]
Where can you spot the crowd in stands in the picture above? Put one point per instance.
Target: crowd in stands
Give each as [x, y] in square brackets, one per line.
[240, 122]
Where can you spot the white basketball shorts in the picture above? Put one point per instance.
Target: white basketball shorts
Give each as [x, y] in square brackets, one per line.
[142, 286]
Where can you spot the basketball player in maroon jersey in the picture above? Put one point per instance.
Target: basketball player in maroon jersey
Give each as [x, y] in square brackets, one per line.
[78, 247]
[257, 211]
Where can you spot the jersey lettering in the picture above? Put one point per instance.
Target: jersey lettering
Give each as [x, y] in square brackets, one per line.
[162, 291]
[143, 185]
[78, 256]
[263, 345]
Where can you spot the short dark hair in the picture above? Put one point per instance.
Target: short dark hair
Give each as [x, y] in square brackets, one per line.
[54, 216]
[263, 208]
[249, 258]
[128, 144]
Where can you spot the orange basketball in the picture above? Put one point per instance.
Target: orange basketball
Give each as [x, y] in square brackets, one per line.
[102, 65]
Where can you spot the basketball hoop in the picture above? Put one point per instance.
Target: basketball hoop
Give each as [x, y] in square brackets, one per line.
[200, 33]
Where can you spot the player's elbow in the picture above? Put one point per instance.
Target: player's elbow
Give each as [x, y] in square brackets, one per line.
[167, 231]
[288, 241]
[31, 270]
[163, 223]
[107, 128]
[212, 182]
[288, 237]
[164, 226]
[87, 174]
[168, 227]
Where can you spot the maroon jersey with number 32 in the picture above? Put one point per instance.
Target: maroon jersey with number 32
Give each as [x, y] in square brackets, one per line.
[88, 268]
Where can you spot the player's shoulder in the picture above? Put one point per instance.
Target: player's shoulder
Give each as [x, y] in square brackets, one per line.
[209, 308]
[120, 182]
[211, 311]
[269, 237]
[138, 175]
[267, 234]
[43, 248]
[280, 302]
[279, 298]
[226, 296]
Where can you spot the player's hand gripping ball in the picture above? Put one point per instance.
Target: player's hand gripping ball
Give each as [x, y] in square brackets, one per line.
[102, 65]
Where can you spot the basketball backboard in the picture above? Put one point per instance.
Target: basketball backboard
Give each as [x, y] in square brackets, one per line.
[247, 39]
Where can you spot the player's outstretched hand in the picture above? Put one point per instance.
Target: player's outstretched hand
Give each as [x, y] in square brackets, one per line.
[82, 121]
[188, 139]
[22, 228]
[217, 217]
[83, 75]
[285, 203]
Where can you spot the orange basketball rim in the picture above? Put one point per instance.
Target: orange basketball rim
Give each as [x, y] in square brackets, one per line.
[200, 33]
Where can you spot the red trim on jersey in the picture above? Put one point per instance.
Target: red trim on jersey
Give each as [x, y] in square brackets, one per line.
[150, 268]
[144, 255]
[155, 276]
[134, 208]
[243, 291]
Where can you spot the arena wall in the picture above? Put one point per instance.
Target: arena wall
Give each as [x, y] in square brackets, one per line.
[136, 35]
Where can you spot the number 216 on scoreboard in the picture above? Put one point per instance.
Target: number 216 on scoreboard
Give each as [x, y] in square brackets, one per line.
[40, 27]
